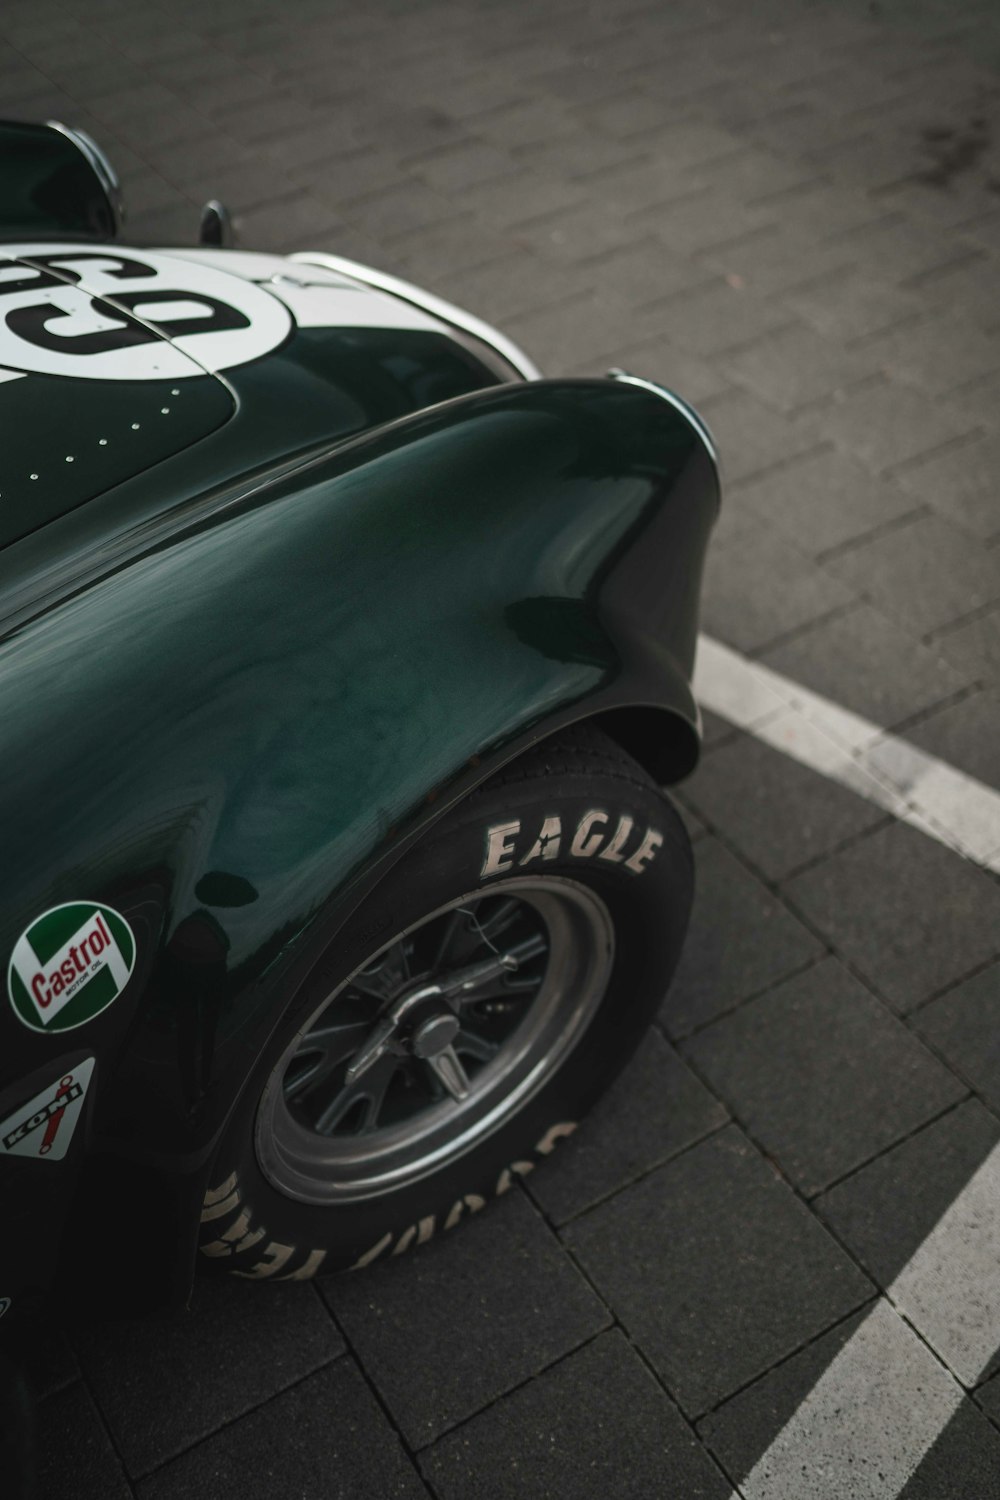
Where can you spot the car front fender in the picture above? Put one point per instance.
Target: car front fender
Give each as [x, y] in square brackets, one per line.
[229, 737]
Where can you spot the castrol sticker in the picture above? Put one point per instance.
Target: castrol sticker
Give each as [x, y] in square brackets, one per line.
[70, 965]
[43, 1128]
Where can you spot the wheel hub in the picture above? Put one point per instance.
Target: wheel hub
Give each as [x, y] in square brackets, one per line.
[435, 1035]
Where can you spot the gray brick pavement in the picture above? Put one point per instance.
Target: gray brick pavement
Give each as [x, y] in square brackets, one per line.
[789, 212]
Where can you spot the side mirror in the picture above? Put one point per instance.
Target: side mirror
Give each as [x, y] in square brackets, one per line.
[56, 180]
[216, 227]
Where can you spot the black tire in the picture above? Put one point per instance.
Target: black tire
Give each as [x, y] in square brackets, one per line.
[593, 917]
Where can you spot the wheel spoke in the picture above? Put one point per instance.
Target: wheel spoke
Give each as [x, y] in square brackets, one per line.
[321, 1052]
[497, 921]
[469, 1044]
[370, 1094]
[508, 982]
[450, 1073]
[456, 928]
[382, 980]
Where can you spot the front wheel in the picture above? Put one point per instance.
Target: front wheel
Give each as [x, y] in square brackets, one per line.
[487, 992]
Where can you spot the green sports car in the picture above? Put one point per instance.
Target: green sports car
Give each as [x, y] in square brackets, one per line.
[342, 662]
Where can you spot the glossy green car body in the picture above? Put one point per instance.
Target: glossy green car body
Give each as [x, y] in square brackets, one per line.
[236, 685]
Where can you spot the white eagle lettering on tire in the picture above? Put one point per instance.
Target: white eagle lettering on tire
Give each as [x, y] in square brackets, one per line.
[587, 842]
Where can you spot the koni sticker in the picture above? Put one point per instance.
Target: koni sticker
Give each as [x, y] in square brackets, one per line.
[43, 1128]
[70, 965]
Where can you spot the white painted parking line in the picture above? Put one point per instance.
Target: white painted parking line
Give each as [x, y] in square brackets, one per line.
[882, 1402]
[915, 787]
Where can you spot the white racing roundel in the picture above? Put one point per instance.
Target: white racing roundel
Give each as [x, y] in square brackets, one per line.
[66, 313]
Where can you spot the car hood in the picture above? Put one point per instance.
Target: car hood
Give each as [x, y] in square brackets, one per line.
[112, 360]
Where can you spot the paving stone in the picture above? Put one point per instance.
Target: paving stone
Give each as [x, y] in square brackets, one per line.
[435, 254]
[968, 286]
[720, 317]
[964, 1027]
[645, 184]
[777, 258]
[937, 353]
[351, 173]
[861, 660]
[176, 224]
[715, 1269]
[695, 827]
[580, 155]
[654, 1110]
[743, 1428]
[588, 332]
[823, 210]
[926, 573]
[327, 1439]
[751, 436]
[960, 207]
[902, 250]
[396, 211]
[988, 1397]
[644, 273]
[974, 647]
[885, 1210]
[585, 79]
[851, 306]
[885, 426]
[981, 399]
[156, 1408]
[574, 234]
[965, 1460]
[737, 526]
[75, 1456]
[715, 730]
[821, 1075]
[692, 143]
[703, 221]
[301, 222]
[595, 1425]
[960, 483]
[546, 211]
[965, 735]
[658, 359]
[871, 162]
[739, 787]
[448, 1330]
[528, 122]
[750, 173]
[823, 499]
[795, 367]
[760, 588]
[741, 941]
[264, 118]
[519, 282]
[456, 166]
[905, 911]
